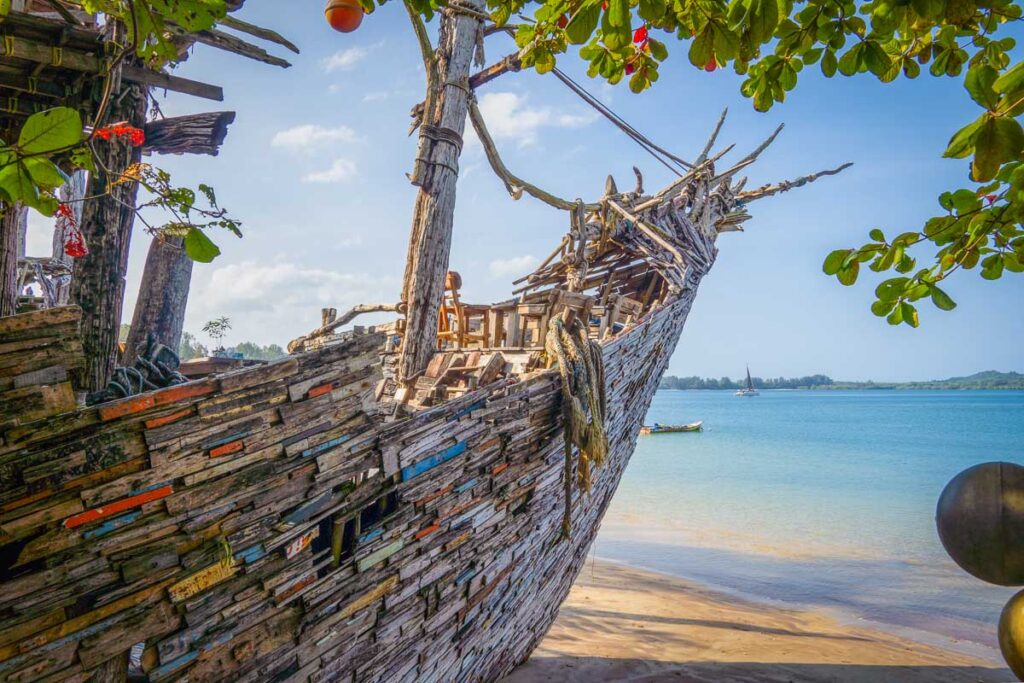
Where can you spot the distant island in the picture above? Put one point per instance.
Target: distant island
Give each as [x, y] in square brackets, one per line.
[989, 379]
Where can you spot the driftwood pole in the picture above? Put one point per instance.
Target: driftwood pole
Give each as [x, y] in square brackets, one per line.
[436, 173]
[99, 280]
[163, 296]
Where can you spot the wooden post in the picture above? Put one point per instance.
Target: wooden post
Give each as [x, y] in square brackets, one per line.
[163, 296]
[12, 221]
[440, 145]
[98, 284]
[72, 193]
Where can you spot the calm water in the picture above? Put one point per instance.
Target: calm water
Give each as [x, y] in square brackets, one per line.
[817, 498]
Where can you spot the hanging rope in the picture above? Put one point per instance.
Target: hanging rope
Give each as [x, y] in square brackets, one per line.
[659, 153]
[583, 402]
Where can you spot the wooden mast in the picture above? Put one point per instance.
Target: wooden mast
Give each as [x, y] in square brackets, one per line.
[436, 174]
[99, 280]
[163, 296]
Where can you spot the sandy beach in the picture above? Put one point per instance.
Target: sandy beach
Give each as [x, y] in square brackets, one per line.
[623, 624]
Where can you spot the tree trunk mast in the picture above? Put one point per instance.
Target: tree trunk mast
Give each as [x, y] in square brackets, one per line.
[437, 173]
[163, 296]
[99, 279]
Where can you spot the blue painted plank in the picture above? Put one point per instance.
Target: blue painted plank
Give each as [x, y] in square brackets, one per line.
[111, 525]
[465, 487]
[371, 535]
[418, 468]
[250, 554]
[326, 445]
[466, 576]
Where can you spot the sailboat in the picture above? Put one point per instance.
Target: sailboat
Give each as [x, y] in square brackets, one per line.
[748, 390]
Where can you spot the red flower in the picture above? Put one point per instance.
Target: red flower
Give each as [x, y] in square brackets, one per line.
[65, 212]
[604, 6]
[629, 68]
[640, 35]
[74, 244]
[711, 65]
[122, 130]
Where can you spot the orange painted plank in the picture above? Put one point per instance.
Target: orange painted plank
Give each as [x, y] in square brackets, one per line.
[117, 506]
[500, 468]
[422, 533]
[168, 419]
[126, 407]
[184, 391]
[227, 449]
[320, 390]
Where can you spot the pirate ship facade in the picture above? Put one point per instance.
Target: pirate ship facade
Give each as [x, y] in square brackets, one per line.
[332, 516]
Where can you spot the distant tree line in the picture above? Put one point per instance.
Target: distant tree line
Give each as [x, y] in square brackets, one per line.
[191, 347]
[989, 379]
[809, 382]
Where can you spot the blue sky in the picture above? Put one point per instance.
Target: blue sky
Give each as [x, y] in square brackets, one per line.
[315, 166]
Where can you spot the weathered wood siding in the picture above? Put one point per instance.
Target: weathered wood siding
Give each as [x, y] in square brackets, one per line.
[268, 525]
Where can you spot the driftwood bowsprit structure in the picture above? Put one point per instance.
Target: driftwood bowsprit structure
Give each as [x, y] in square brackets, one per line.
[279, 522]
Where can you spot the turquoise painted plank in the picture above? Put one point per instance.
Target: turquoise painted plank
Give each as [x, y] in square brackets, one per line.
[379, 556]
[326, 445]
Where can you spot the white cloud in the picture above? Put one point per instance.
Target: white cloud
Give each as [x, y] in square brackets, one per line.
[344, 59]
[276, 302]
[513, 267]
[340, 171]
[375, 96]
[509, 116]
[309, 136]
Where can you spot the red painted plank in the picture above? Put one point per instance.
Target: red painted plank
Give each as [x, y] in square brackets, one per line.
[127, 406]
[184, 391]
[500, 468]
[431, 496]
[227, 449]
[168, 419]
[422, 533]
[320, 390]
[117, 506]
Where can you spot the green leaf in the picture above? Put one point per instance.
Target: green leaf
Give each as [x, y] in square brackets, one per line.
[942, 300]
[992, 267]
[829, 64]
[999, 140]
[834, 261]
[1011, 81]
[882, 308]
[701, 48]
[582, 25]
[618, 13]
[877, 235]
[5, 8]
[658, 49]
[652, 10]
[891, 289]
[876, 59]
[962, 143]
[199, 247]
[979, 82]
[50, 130]
[896, 317]
[909, 314]
[848, 275]
[44, 172]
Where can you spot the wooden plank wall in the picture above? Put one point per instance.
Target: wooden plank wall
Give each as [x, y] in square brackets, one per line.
[266, 524]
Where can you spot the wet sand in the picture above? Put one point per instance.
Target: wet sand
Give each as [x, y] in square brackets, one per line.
[623, 624]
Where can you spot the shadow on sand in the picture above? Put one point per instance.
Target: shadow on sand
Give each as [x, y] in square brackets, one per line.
[594, 669]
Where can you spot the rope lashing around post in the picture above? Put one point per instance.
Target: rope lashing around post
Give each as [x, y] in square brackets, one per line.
[155, 368]
[581, 367]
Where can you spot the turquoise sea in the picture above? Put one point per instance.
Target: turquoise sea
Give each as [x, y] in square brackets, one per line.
[818, 498]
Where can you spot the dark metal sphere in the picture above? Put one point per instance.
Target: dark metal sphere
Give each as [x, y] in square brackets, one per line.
[1011, 634]
[980, 518]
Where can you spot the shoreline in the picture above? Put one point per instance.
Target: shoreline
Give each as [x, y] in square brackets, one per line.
[624, 623]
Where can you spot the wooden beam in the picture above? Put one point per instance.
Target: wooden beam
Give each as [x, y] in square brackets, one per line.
[158, 79]
[193, 134]
[258, 32]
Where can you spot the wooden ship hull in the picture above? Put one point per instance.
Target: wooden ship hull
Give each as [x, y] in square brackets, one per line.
[264, 524]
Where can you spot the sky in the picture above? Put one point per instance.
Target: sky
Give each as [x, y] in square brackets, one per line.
[314, 167]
